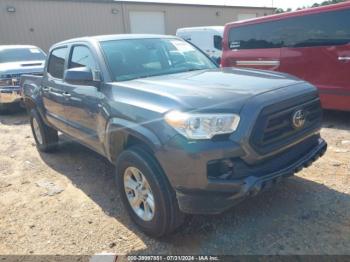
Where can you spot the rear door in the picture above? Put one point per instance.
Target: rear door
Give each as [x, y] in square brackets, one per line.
[83, 108]
[317, 49]
[253, 45]
[53, 88]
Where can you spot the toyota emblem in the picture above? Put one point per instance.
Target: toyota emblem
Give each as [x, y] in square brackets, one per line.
[298, 119]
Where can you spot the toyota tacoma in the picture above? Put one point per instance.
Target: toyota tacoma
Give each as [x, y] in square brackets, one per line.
[185, 136]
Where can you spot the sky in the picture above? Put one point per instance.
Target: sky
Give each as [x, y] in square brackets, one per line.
[294, 4]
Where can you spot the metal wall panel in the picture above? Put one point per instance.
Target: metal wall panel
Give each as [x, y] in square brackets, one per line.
[42, 22]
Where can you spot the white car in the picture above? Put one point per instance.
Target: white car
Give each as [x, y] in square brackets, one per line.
[207, 38]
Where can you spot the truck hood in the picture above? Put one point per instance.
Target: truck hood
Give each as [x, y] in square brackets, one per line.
[207, 90]
[22, 67]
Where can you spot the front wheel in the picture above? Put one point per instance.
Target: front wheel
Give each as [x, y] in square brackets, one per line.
[146, 193]
[46, 138]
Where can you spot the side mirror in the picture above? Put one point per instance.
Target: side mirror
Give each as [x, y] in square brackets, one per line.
[81, 76]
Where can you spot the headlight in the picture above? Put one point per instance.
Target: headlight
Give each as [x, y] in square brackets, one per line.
[202, 126]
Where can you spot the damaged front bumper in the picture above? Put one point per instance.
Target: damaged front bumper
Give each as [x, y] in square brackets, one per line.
[222, 195]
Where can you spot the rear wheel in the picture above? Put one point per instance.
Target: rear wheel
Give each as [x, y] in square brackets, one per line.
[146, 193]
[46, 138]
[8, 108]
[3, 108]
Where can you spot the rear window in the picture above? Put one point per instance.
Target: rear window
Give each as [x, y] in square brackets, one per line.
[21, 54]
[324, 29]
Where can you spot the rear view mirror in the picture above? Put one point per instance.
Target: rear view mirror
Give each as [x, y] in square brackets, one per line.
[80, 76]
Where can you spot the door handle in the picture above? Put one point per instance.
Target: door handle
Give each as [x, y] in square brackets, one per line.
[344, 58]
[66, 94]
[46, 89]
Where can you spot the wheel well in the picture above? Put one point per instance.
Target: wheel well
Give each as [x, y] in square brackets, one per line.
[133, 141]
[29, 103]
[120, 141]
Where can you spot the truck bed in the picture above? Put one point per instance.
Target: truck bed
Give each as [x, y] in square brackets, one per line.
[30, 84]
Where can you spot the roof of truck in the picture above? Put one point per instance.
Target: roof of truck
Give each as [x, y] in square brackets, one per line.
[200, 28]
[101, 38]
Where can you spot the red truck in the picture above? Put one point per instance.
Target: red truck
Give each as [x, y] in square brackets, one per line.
[312, 44]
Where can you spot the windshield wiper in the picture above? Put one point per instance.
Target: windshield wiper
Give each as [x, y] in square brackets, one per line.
[195, 69]
[165, 73]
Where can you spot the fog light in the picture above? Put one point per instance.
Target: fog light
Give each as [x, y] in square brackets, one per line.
[220, 169]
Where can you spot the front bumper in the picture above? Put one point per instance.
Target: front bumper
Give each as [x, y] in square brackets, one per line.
[218, 195]
[10, 95]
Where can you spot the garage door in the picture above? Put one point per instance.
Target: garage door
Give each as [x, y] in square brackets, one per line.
[246, 16]
[147, 22]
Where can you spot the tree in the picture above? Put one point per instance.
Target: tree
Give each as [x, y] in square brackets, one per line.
[280, 10]
[328, 2]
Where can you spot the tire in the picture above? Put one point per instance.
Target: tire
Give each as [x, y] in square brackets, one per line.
[46, 138]
[3, 108]
[167, 216]
[7, 108]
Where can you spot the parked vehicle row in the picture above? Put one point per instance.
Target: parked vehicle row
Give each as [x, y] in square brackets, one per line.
[185, 136]
[312, 44]
[16, 60]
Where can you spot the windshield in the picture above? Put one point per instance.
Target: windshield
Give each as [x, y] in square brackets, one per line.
[21, 54]
[139, 58]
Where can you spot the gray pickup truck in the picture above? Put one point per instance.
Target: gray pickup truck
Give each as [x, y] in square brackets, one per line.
[185, 136]
[16, 60]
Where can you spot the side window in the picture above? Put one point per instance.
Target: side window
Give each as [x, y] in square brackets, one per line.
[264, 35]
[323, 29]
[56, 62]
[82, 57]
[218, 42]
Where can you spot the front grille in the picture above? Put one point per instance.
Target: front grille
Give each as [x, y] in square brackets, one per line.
[274, 127]
[14, 79]
[18, 76]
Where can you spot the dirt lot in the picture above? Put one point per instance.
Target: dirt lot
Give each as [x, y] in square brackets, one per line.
[66, 203]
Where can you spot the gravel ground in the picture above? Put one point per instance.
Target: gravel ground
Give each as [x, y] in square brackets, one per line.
[66, 203]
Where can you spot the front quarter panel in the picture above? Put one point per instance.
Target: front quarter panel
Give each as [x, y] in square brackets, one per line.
[130, 113]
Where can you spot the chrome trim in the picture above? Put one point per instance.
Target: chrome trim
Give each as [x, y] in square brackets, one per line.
[258, 63]
[344, 58]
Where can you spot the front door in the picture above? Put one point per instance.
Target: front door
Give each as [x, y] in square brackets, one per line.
[84, 109]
